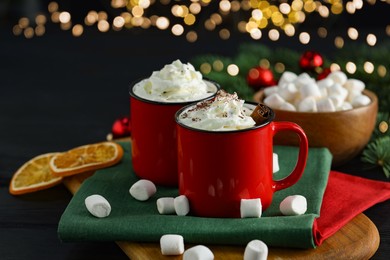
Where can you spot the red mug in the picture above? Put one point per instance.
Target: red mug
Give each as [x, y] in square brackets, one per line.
[153, 135]
[219, 168]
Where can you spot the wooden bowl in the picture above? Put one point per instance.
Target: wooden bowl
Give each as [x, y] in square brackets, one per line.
[344, 133]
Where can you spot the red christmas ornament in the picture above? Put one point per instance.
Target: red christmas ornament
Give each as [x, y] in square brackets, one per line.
[121, 127]
[310, 60]
[259, 77]
[325, 72]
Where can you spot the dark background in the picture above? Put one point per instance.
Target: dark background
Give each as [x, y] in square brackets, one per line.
[59, 92]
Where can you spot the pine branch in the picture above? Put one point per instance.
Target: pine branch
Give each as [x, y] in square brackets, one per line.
[378, 153]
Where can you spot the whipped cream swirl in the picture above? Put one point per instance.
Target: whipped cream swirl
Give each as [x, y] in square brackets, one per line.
[222, 113]
[176, 82]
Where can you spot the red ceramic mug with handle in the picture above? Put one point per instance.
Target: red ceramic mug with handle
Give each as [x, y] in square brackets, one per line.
[153, 135]
[219, 168]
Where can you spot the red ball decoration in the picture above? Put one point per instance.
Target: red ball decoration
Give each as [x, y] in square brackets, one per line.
[310, 60]
[324, 73]
[259, 77]
[121, 127]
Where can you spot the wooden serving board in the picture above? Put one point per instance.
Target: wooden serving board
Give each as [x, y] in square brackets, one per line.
[359, 239]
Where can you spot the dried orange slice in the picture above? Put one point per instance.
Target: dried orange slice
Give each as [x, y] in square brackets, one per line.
[34, 175]
[86, 158]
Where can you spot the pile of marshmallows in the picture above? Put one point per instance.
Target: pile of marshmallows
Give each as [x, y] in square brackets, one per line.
[304, 94]
[173, 244]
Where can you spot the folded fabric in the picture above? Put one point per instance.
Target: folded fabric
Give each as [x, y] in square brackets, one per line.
[132, 220]
[345, 197]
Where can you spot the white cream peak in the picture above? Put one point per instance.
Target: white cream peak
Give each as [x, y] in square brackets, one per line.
[223, 113]
[175, 82]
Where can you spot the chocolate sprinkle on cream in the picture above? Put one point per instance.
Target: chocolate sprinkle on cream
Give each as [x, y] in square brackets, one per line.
[224, 112]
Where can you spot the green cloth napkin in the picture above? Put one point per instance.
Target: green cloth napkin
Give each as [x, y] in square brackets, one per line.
[132, 220]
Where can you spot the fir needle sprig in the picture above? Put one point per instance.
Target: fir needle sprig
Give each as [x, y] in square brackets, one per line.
[378, 152]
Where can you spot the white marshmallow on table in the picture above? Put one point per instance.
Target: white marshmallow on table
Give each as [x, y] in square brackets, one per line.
[250, 208]
[361, 100]
[308, 104]
[288, 107]
[256, 250]
[338, 77]
[325, 105]
[275, 162]
[143, 189]
[287, 77]
[198, 252]
[166, 205]
[172, 244]
[354, 84]
[274, 101]
[182, 206]
[293, 205]
[310, 90]
[98, 206]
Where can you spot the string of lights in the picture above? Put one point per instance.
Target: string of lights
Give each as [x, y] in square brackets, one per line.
[257, 18]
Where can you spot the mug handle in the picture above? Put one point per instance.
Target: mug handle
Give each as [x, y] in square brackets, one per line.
[296, 174]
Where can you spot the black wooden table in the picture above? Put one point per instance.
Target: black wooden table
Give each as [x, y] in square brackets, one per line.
[59, 92]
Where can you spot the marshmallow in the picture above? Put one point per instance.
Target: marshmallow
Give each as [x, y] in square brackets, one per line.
[337, 100]
[303, 79]
[250, 208]
[338, 77]
[287, 77]
[288, 91]
[310, 90]
[338, 90]
[98, 206]
[325, 105]
[172, 244]
[270, 90]
[325, 83]
[288, 107]
[142, 190]
[166, 205]
[361, 100]
[274, 101]
[198, 252]
[275, 163]
[182, 206]
[354, 84]
[307, 105]
[352, 94]
[256, 250]
[293, 205]
[345, 106]
[304, 94]
[323, 91]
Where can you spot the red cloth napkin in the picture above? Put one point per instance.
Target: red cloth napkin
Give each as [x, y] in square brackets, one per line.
[345, 197]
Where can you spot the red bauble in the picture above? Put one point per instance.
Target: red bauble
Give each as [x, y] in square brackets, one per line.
[310, 60]
[121, 127]
[325, 72]
[259, 77]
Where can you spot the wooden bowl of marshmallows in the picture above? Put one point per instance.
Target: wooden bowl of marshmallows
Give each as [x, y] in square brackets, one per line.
[335, 112]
